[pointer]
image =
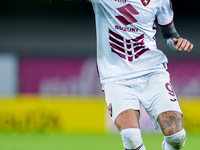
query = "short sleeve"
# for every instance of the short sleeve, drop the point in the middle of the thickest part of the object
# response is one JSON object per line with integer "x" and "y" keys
{"x": 165, "y": 13}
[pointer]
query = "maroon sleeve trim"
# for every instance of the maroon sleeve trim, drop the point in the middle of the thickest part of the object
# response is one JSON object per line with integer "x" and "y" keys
{"x": 166, "y": 24}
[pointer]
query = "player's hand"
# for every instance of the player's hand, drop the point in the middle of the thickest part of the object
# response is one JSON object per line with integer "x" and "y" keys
{"x": 182, "y": 44}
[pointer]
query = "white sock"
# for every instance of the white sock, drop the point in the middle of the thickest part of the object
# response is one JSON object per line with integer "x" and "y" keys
{"x": 132, "y": 139}
{"x": 175, "y": 141}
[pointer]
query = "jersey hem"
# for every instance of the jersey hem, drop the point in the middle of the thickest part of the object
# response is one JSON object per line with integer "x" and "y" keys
{"x": 131, "y": 76}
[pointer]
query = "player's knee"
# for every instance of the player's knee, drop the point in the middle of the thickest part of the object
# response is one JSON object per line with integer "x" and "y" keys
{"x": 132, "y": 139}
{"x": 177, "y": 140}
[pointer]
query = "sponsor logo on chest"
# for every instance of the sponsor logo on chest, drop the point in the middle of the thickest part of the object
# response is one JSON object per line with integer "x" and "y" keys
{"x": 144, "y": 2}
{"x": 120, "y": 1}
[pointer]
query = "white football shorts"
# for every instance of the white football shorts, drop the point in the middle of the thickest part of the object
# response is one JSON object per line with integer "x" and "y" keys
{"x": 154, "y": 91}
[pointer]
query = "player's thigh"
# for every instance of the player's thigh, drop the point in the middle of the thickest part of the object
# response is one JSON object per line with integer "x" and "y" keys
{"x": 170, "y": 122}
{"x": 161, "y": 97}
{"x": 122, "y": 104}
{"x": 128, "y": 119}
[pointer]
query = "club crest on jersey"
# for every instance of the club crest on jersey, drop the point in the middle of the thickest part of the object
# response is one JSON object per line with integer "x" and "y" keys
{"x": 145, "y": 2}
{"x": 110, "y": 109}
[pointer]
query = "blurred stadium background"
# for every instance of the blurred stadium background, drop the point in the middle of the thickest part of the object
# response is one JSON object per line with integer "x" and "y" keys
{"x": 49, "y": 83}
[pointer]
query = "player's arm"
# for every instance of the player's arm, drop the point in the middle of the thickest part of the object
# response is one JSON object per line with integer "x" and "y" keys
{"x": 173, "y": 39}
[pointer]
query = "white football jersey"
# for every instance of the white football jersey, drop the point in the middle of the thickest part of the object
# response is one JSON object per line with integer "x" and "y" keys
{"x": 126, "y": 44}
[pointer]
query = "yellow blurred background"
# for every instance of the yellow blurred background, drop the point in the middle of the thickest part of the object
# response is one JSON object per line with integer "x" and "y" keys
{"x": 71, "y": 114}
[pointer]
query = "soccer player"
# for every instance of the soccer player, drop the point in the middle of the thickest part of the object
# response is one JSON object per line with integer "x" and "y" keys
{"x": 133, "y": 70}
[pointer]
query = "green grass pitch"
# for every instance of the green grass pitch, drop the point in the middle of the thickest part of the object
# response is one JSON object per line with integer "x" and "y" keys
{"x": 83, "y": 142}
